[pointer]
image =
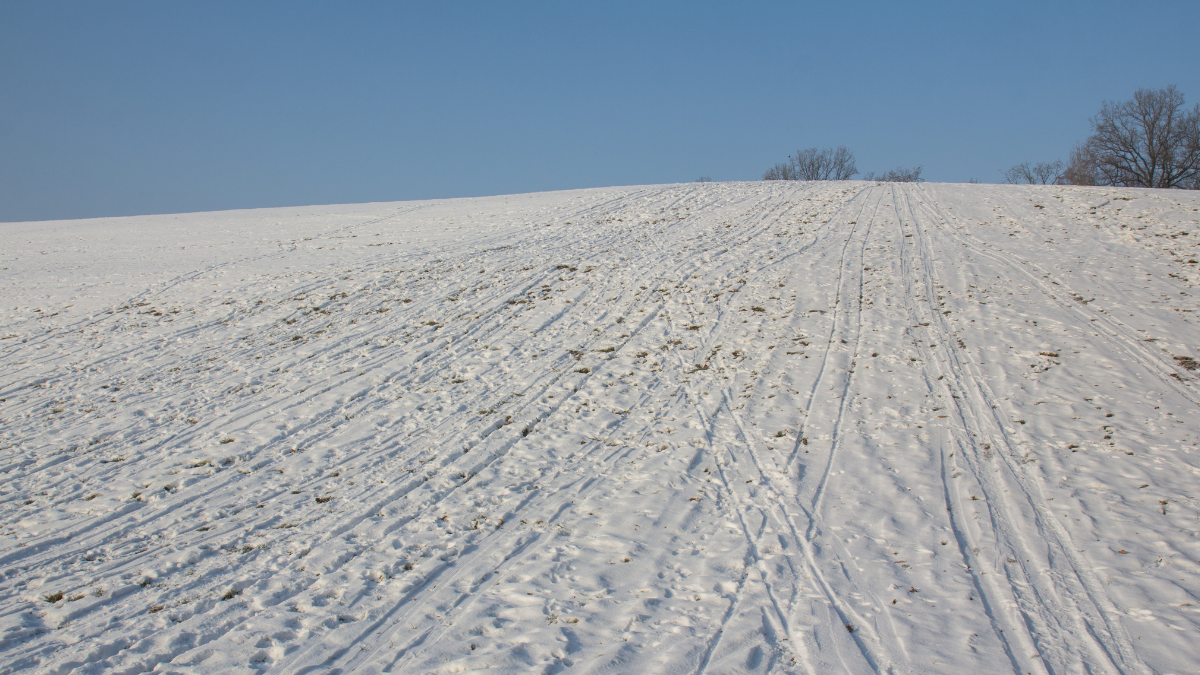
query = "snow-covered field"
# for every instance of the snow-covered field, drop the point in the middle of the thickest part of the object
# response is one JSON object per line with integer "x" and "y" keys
{"x": 725, "y": 428}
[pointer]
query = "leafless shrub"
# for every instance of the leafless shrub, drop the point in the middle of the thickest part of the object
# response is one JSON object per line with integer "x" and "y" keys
{"x": 827, "y": 164}
{"x": 815, "y": 164}
{"x": 898, "y": 175}
{"x": 782, "y": 171}
{"x": 1042, "y": 173}
{"x": 1081, "y": 167}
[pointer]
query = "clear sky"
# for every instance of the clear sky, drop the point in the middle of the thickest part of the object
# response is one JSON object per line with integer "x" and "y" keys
{"x": 122, "y": 108}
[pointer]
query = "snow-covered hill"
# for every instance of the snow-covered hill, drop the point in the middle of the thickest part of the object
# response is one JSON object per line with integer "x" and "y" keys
{"x": 724, "y": 428}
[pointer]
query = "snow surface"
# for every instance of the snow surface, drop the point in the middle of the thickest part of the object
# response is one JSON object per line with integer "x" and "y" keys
{"x": 725, "y": 428}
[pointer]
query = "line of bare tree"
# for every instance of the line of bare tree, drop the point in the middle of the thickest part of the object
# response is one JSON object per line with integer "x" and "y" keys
{"x": 898, "y": 175}
{"x": 1151, "y": 140}
{"x": 815, "y": 164}
{"x": 833, "y": 164}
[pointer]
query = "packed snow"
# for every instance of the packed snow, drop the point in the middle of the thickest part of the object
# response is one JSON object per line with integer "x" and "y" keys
{"x": 772, "y": 427}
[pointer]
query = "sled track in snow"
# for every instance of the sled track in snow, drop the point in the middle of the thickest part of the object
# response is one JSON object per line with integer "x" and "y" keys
{"x": 1038, "y": 594}
{"x": 412, "y": 606}
{"x": 826, "y": 232}
{"x": 605, "y": 431}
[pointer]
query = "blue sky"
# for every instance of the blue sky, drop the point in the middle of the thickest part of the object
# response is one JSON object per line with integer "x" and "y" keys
{"x": 123, "y": 108}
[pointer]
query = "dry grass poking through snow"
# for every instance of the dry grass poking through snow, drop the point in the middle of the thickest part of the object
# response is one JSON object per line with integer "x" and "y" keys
{"x": 744, "y": 427}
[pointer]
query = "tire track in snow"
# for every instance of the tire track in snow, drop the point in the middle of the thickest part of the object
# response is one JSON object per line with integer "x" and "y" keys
{"x": 405, "y": 452}
{"x": 235, "y": 477}
{"x": 162, "y": 288}
{"x": 1114, "y": 332}
{"x": 1052, "y": 598}
{"x": 465, "y": 600}
{"x": 327, "y": 388}
{"x": 416, "y": 608}
{"x": 874, "y": 649}
{"x": 709, "y": 426}
{"x": 871, "y": 652}
{"x": 992, "y": 597}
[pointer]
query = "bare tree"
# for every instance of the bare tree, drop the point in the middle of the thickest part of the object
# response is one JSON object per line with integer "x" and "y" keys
{"x": 1048, "y": 173}
{"x": 1020, "y": 173}
{"x": 843, "y": 164}
{"x": 1081, "y": 167}
{"x": 898, "y": 175}
{"x": 1042, "y": 173}
{"x": 782, "y": 171}
{"x": 1151, "y": 140}
{"x": 815, "y": 164}
{"x": 827, "y": 164}
{"x": 809, "y": 164}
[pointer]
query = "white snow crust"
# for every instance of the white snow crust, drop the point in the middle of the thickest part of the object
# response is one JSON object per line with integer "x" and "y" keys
{"x": 766, "y": 427}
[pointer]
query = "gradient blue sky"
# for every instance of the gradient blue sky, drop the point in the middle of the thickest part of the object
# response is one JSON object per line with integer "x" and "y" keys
{"x": 122, "y": 108}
